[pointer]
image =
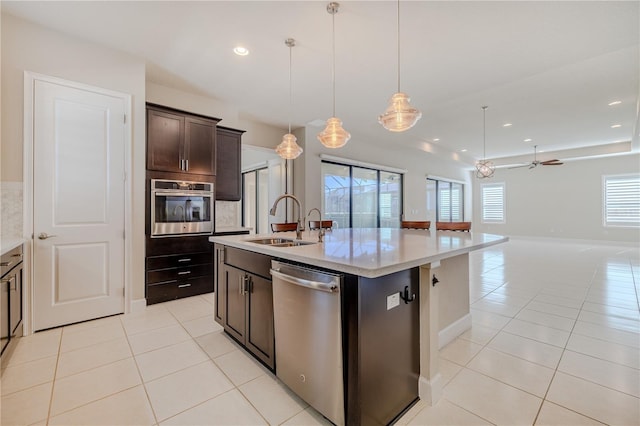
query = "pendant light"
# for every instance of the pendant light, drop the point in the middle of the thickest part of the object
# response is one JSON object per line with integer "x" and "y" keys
{"x": 288, "y": 148}
{"x": 399, "y": 115}
{"x": 484, "y": 167}
{"x": 334, "y": 136}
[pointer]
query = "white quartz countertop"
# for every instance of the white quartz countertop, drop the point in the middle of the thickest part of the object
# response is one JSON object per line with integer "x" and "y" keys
{"x": 8, "y": 244}
{"x": 369, "y": 252}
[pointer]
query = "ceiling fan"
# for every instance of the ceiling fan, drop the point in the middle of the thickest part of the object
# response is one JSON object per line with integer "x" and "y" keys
{"x": 535, "y": 161}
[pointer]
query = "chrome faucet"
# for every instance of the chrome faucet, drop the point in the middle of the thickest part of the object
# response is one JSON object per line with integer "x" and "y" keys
{"x": 299, "y": 227}
{"x": 321, "y": 231}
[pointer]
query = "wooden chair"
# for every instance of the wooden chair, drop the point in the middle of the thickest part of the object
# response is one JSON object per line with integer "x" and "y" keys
{"x": 283, "y": 227}
{"x": 415, "y": 224}
{"x": 315, "y": 224}
{"x": 453, "y": 226}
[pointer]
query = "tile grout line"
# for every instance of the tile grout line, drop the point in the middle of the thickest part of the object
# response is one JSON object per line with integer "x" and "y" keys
{"x": 55, "y": 373}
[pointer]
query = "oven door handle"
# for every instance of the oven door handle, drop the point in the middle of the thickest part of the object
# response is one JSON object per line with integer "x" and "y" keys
{"x": 183, "y": 193}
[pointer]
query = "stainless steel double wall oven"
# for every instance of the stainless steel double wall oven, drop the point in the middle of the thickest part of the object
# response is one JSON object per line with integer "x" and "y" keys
{"x": 181, "y": 208}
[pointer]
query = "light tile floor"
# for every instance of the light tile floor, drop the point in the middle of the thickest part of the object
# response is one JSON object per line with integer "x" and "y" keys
{"x": 555, "y": 341}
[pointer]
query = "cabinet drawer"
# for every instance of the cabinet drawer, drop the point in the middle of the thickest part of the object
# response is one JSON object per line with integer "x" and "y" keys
{"x": 178, "y": 261}
{"x": 10, "y": 260}
{"x": 256, "y": 263}
{"x": 179, "y": 274}
{"x": 177, "y": 289}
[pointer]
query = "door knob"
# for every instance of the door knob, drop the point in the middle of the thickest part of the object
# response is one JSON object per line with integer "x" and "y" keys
{"x": 44, "y": 236}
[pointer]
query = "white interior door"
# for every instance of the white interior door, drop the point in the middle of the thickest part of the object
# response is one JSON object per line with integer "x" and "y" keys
{"x": 78, "y": 206}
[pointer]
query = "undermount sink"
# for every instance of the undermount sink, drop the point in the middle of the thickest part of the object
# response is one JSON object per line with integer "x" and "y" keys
{"x": 280, "y": 242}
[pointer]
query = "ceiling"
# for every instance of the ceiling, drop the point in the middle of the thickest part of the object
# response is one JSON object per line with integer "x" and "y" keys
{"x": 549, "y": 68}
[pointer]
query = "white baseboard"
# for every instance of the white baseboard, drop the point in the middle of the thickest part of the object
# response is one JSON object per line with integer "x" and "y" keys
{"x": 430, "y": 391}
{"x": 449, "y": 333}
{"x": 138, "y": 305}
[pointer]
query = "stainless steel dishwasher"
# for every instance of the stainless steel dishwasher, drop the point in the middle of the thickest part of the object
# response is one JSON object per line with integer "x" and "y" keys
{"x": 308, "y": 336}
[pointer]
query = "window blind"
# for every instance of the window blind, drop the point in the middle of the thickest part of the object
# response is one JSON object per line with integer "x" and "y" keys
{"x": 493, "y": 203}
{"x": 622, "y": 200}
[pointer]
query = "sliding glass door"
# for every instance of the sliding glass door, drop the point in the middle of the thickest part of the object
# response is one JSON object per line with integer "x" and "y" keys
{"x": 359, "y": 197}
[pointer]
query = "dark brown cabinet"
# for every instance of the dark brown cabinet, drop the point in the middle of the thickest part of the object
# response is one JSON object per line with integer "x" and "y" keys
{"x": 178, "y": 267}
{"x": 228, "y": 168}
{"x": 11, "y": 291}
{"x": 244, "y": 300}
{"x": 180, "y": 142}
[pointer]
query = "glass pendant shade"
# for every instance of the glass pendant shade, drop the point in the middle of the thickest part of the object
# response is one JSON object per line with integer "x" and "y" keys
{"x": 399, "y": 115}
{"x": 334, "y": 136}
{"x": 288, "y": 148}
{"x": 484, "y": 169}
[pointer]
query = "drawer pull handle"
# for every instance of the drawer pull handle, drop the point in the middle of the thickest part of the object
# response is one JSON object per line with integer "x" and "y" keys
{"x": 184, "y": 285}
{"x": 184, "y": 260}
{"x": 184, "y": 273}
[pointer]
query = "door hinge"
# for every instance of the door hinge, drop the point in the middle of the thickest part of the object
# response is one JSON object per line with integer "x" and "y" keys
{"x": 124, "y": 235}
{"x": 125, "y": 119}
{"x": 125, "y": 176}
{"x": 123, "y": 292}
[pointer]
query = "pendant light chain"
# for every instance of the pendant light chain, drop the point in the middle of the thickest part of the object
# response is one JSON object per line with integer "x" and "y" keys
{"x": 484, "y": 132}
{"x": 398, "y": 45}
{"x": 290, "y": 44}
{"x": 333, "y": 67}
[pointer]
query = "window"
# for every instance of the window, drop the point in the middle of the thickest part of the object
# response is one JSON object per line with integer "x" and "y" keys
{"x": 622, "y": 200}
{"x": 493, "y": 203}
{"x": 360, "y": 197}
{"x": 449, "y": 200}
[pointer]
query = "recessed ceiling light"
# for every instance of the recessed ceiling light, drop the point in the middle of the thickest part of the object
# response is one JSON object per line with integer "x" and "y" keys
{"x": 241, "y": 51}
{"x": 436, "y": 139}
{"x": 463, "y": 150}
{"x": 528, "y": 140}
{"x": 615, "y": 126}
{"x": 615, "y": 103}
{"x": 507, "y": 125}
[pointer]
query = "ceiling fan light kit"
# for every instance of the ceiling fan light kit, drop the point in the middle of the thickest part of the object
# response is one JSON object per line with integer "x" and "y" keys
{"x": 334, "y": 136}
{"x": 535, "y": 162}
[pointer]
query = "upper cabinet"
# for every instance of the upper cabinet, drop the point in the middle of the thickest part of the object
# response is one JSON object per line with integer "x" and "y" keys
{"x": 180, "y": 142}
{"x": 228, "y": 159}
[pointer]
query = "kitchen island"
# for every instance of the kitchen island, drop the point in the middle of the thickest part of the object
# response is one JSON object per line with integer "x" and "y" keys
{"x": 385, "y": 272}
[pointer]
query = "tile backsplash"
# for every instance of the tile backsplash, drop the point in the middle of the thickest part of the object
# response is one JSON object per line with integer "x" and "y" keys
{"x": 228, "y": 214}
{"x": 11, "y": 209}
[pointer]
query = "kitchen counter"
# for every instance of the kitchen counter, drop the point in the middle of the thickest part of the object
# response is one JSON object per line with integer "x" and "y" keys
{"x": 8, "y": 244}
{"x": 369, "y": 252}
{"x": 385, "y": 270}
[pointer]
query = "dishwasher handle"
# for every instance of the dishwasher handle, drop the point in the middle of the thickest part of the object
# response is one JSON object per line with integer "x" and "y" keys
{"x": 313, "y": 285}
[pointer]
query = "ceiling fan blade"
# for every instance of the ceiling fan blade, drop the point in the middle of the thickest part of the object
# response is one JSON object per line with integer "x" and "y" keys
{"x": 552, "y": 164}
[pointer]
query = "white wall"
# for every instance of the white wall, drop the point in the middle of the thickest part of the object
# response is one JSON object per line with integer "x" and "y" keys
{"x": 419, "y": 164}
{"x": 29, "y": 47}
{"x": 558, "y": 201}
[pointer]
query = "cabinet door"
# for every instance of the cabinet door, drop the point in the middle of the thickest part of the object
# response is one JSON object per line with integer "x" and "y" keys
{"x": 235, "y": 321}
{"x": 260, "y": 335}
{"x": 15, "y": 303}
{"x": 220, "y": 290}
{"x": 200, "y": 146}
{"x": 228, "y": 170}
{"x": 4, "y": 311}
{"x": 165, "y": 141}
